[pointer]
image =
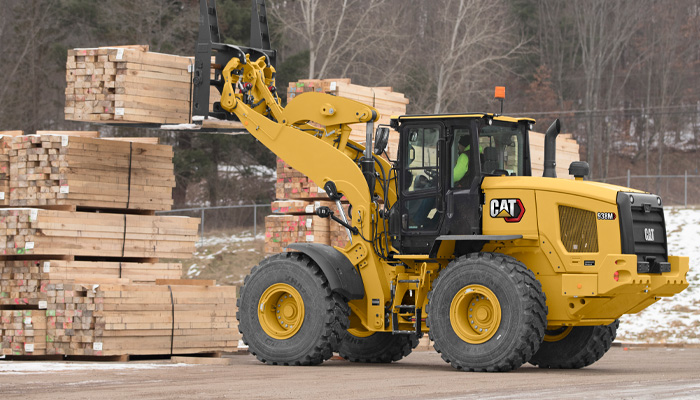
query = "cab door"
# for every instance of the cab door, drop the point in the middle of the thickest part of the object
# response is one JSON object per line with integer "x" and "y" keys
{"x": 421, "y": 184}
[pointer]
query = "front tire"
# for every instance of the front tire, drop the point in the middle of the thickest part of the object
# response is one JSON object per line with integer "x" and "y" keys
{"x": 287, "y": 313}
{"x": 576, "y": 347}
{"x": 486, "y": 312}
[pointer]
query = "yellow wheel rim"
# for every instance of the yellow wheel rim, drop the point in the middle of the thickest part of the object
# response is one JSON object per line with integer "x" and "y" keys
{"x": 356, "y": 328}
{"x": 475, "y": 314}
{"x": 557, "y": 334}
{"x": 281, "y": 311}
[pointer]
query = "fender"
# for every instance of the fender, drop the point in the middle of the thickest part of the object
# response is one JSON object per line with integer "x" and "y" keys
{"x": 342, "y": 276}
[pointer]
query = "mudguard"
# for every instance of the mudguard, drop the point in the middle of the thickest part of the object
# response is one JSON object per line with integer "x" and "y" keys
{"x": 342, "y": 276}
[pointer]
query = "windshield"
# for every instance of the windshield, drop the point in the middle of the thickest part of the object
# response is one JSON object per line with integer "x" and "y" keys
{"x": 502, "y": 147}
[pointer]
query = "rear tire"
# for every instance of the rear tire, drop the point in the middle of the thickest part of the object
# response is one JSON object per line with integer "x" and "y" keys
{"x": 360, "y": 345}
{"x": 486, "y": 312}
{"x": 580, "y": 347}
{"x": 287, "y": 313}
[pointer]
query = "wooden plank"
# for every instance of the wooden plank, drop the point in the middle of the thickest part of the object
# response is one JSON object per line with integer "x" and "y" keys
{"x": 189, "y": 282}
{"x": 92, "y": 134}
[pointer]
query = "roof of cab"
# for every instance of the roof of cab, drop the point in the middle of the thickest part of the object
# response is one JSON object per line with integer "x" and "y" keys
{"x": 444, "y": 116}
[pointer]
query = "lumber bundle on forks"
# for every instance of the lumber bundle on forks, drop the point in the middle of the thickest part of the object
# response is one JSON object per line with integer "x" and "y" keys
{"x": 89, "y": 172}
{"x": 129, "y": 85}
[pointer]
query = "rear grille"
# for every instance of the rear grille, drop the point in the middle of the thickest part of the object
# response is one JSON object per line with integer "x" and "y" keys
{"x": 642, "y": 226}
{"x": 579, "y": 231}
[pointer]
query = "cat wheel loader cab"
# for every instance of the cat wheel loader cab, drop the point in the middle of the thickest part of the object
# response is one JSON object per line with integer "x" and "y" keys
{"x": 441, "y": 162}
{"x": 454, "y": 238}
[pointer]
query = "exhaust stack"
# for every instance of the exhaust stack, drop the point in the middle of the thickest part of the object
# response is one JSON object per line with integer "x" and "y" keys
{"x": 550, "y": 150}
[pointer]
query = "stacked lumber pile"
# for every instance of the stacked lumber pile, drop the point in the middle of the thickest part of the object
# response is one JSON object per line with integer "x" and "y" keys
{"x": 135, "y": 319}
{"x": 293, "y": 218}
{"x": 116, "y": 319}
{"x": 292, "y": 184}
{"x": 31, "y": 231}
{"x": 281, "y": 230}
{"x": 387, "y": 102}
{"x": 89, "y": 172}
{"x": 567, "y": 152}
{"x": 82, "y": 275}
{"x": 5, "y": 144}
{"x": 23, "y": 331}
{"x": 129, "y": 85}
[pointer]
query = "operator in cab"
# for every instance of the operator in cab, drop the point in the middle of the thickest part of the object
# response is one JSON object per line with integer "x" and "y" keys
{"x": 461, "y": 168}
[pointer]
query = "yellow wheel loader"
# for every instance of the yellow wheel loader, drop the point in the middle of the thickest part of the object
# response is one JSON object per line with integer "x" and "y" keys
{"x": 454, "y": 238}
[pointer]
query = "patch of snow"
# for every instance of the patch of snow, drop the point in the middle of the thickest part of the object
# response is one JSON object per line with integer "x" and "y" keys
{"x": 240, "y": 238}
{"x": 675, "y": 319}
{"x": 192, "y": 270}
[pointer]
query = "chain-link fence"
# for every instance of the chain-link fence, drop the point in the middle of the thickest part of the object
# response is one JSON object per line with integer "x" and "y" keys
{"x": 673, "y": 189}
{"x": 226, "y": 219}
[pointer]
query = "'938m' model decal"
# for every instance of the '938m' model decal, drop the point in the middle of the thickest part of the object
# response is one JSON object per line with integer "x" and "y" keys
{"x": 511, "y": 210}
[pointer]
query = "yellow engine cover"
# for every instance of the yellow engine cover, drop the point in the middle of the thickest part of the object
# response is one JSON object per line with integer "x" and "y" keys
{"x": 571, "y": 242}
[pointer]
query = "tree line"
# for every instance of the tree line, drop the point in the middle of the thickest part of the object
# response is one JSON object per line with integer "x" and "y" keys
{"x": 623, "y": 75}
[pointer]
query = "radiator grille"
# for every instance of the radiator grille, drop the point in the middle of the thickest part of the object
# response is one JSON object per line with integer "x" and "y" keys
{"x": 579, "y": 231}
{"x": 638, "y": 218}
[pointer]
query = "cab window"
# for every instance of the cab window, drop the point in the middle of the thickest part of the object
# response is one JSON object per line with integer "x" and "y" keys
{"x": 421, "y": 162}
{"x": 503, "y": 149}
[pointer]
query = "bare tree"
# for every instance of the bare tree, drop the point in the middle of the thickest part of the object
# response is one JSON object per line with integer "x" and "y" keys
{"x": 557, "y": 44}
{"x": 466, "y": 41}
{"x": 333, "y": 33}
{"x": 603, "y": 29}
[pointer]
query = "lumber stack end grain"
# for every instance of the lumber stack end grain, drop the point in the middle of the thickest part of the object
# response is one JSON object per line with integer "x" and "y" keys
{"x": 89, "y": 172}
{"x": 129, "y": 85}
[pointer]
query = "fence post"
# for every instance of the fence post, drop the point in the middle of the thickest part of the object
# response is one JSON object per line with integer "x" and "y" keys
{"x": 255, "y": 220}
{"x": 628, "y": 178}
{"x": 685, "y": 201}
{"x": 201, "y": 227}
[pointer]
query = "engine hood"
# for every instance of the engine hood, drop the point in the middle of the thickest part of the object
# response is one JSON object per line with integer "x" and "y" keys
{"x": 594, "y": 190}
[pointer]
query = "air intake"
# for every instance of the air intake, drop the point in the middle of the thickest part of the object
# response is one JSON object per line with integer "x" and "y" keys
{"x": 579, "y": 231}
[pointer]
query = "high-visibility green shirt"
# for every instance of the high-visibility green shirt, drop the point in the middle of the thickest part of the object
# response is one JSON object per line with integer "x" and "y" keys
{"x": 461, "y": 167}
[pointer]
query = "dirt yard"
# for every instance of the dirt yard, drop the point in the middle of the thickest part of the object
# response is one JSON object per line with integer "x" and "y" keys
{"x": 637, "y": 373}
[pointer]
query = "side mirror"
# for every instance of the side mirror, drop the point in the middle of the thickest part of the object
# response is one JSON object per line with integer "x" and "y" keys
{"x": 381, "y": 139}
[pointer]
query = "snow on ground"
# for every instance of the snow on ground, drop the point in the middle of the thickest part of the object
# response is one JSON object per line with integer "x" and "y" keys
{"x": 225, "y": 241}
{"x": 237, "y": 238}
{"x": 675, "y": 319}
{"x": 33, "y": 367}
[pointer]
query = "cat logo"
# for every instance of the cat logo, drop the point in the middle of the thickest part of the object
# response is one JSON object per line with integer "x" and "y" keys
{"x": 511, "y": 210}
{"x": 649, "y": 234}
